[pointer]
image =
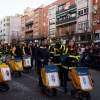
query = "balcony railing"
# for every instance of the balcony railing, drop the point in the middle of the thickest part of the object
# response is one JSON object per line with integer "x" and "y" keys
{"x": 66, "y": 20}
{"x": 29, "y": 23}
{"x": 28, "y": 31}
{"x": 70, "y": 7}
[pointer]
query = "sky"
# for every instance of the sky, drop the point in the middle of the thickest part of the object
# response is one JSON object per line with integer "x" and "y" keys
{"x": 12, "y": 7}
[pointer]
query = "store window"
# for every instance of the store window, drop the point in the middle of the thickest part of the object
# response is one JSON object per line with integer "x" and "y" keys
{"x": 82, "y": 37}
{"x": 76, "y": 38}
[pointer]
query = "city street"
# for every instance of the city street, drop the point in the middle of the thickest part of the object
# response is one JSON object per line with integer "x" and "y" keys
{"x": 25, "y": 88}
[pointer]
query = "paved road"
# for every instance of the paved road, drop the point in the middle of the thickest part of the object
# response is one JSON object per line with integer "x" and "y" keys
{"x": 25, "y": 88}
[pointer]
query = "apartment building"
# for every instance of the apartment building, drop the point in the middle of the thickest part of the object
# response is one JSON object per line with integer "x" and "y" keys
{"x": 66, "y": 19}
{"x": 96, "y": 21}
{"x": 84, "y": 21}
{"x": 31, "y": 24}
{"x": 27, "y": 25}
{"x": 63, "y": 19}
{"x": 10, "y": 29}
{"x": 49, "y": 20}
{"x": 38, "y": 24}
{"x": 53, "y": 18}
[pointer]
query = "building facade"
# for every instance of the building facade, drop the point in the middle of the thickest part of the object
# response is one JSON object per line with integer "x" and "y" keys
{"x": 84, "y": 21}
{"x": 96, "y": 21}
{"x": 55, "y": 19}
{"x": 10, "y": 28}
{"x": 64, "y": 19}
{"x": 31, "y": 24}
{"x": 27, "y": 25}
{"x": 38, "y": 24}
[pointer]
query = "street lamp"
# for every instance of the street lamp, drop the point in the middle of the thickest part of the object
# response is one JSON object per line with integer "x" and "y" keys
{"x": 48, "y": 29}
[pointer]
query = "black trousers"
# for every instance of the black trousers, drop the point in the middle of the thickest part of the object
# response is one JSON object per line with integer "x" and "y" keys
{"x": 35, "y": 63}
{"x": 60, "y": 73}
{"x": 65, "y": 72}
{"x": 31, "y": 61}
{"x": 40, "y": 79}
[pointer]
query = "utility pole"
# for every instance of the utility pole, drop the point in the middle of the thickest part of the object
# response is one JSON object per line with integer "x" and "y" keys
{"x": 87, "y": 21}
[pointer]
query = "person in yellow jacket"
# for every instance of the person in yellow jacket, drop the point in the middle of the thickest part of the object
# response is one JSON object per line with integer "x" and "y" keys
{"x": 56, "y": 59}
{"x": 18, "y": 51}
{"x": 70, "y": 61}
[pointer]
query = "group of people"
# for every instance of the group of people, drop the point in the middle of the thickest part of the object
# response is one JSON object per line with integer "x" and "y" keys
{"x": 90, "y": 56}
{"x": 65, "y": 57}
{"x": 45, "y": 53}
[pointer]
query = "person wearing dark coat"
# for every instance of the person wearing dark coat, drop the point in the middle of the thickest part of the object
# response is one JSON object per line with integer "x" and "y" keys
{"x": 27, "y": 49}
{"x": 42, "y": 56}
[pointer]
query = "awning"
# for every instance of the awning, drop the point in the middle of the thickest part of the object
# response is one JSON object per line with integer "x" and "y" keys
{"x": 72, "y": 11}
{"x": 64, "y": 14}
{"x": 58, "y": 16}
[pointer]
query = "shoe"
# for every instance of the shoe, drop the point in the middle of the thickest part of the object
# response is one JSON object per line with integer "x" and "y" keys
{"x": 65, "y": 90}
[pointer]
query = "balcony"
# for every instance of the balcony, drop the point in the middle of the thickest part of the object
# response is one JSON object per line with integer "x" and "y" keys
{"x": 29, "y": 31}
{"x": 30, "y": 22}
{"x": 63, "y": 10}
{"x": 65, "y": 21}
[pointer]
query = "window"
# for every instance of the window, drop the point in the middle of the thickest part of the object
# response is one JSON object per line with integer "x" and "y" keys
{"x": 4, "y": 24}
{"x": 83, "y": 11}
{"x": 36, "y": 15}
{"x": 36, "y": 34}
{"x": 44, "y": 23}
{"x": 52, "y": 21}
{"x": 60, "y": 8}
{"x": 76, "y": 38}
{"x": 89, "y": 36}
{"x": 36, "y": 25}
{"x": 94, "y": 23}
{"x": 95, "y": 7}
{"x": 52, "y": 11}
{"x": 44, "y": 15}
{"x": 96, "y": 35}
{"x": 52, "y": 32}
{"x": 67, "y": 5}
{"x": 82, "y": 25}
{"x": 8, "y": 19}
{"x": 82, "y": 37}
{"x": 4, "y": 20}
{"x": 73, "y": 15}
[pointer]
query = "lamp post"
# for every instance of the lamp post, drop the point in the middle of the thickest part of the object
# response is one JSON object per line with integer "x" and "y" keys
{"x": 48, "y": 28}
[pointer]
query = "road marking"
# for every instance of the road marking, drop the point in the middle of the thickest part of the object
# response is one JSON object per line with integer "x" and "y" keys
{"x": 30, "y": 77}
{"x": 38, "y": 80}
